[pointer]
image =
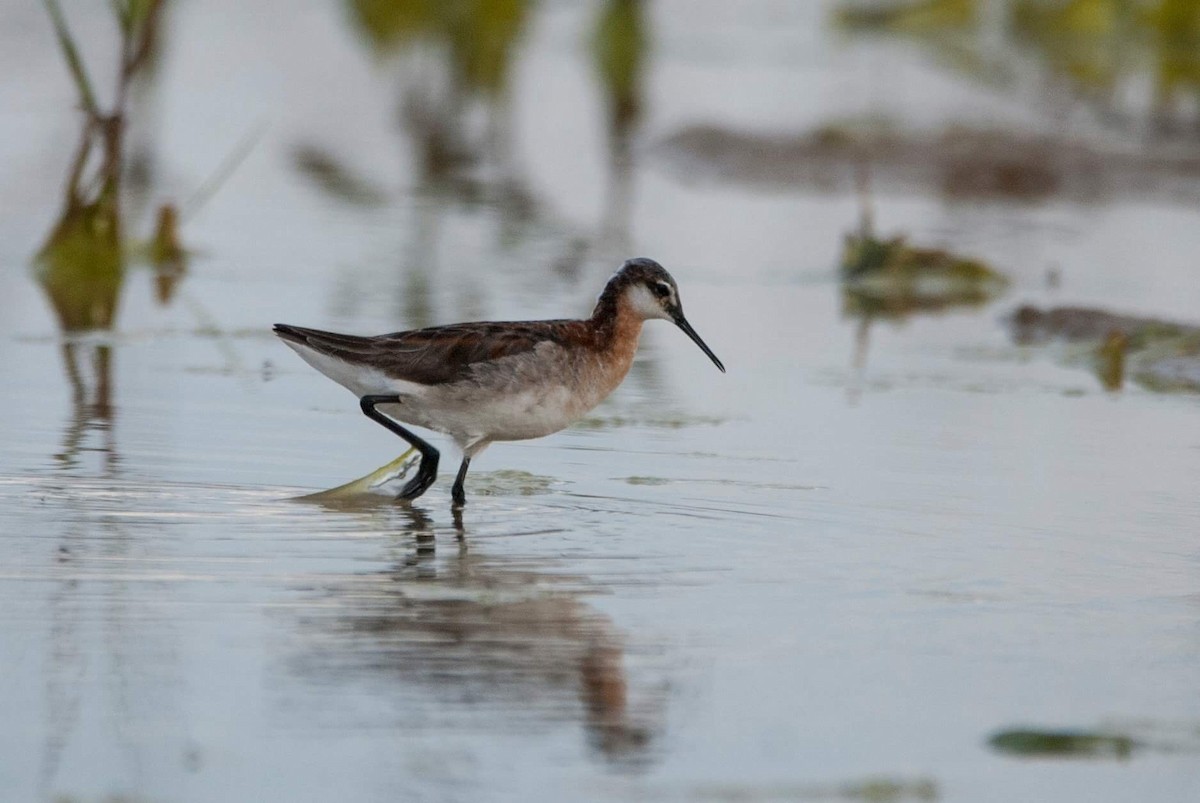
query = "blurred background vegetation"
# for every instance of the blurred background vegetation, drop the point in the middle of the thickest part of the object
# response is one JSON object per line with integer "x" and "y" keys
{"x": 1094, "y": 46}
{"x": 1133, "y": 65}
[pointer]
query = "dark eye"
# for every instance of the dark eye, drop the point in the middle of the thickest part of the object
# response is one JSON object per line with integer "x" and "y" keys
{"x": 661, "y": 290}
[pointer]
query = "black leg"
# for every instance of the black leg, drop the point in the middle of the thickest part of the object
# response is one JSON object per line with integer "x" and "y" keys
{"x": 457, "y": 493}
{"x": 427, "y": 471}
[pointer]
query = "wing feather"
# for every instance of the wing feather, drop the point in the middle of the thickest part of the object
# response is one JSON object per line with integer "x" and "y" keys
{"x": 438, "y": 354}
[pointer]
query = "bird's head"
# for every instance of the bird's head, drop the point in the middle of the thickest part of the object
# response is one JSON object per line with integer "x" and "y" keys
{"x": 651, "y": 292}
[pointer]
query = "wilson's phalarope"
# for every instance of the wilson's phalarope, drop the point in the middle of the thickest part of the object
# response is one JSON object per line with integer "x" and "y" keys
{"x": 492, "y": 381}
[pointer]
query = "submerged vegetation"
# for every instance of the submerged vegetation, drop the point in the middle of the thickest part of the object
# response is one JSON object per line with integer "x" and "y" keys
{"x": 82, "y": 263}
{"x": 1028, "y": 743}
{"x": 479, "y": 35}
{"x": 889, "y": 277}
{"x": 1120, "y": 741}
{"x": 1098, "y": 46}
{"x": 1156, "y": 354}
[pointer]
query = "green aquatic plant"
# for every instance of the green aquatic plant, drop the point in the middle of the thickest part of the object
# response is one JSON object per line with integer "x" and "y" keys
{"x": 1084, "y": 40}
{"x": 637, "y": 480}
{"x": 81, "y": 264}
{"x": 479, "y": 36}
{"x": 619, "y": 47}
{"x": 1090, "y": 19}
{"x": 892, "y": 278}
{"x": 390, "y": 24}
{"x": 947, "y": 28}
{"x": 1035, "y": 743}
{"x": 620, "y": 43}
{"x": 453, "y": 106}
{"x": 1095, "y": 44}
{"x": 1176, "y": 27}
{"x": 485, "y": 44}
{"x": 1159, "y": 355}
{"x": 1110, "y": 360}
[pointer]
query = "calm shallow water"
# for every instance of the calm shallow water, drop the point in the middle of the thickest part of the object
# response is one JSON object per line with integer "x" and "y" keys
{"x": 820, "y": 570}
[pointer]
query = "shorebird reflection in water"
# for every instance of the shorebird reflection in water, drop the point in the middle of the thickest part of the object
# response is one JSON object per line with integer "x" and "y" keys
{"x": 496, "y": 381}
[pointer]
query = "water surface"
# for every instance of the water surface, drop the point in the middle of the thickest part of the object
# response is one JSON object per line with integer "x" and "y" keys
{"x": 864, "y": 564}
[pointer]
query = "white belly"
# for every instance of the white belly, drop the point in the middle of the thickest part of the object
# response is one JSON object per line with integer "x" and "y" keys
{"x": 472, "y": 415}
{"x": 531, "y": 414}
{"x": 516, "y": 398}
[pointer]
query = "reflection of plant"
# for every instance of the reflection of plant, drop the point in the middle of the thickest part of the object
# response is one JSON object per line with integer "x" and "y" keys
{"x": 892, "y": 279}
{"x": 388, "y": 24}
{"x": 471, "y": 45}
{"x": 81, "y": 264}
{"x": 620, "y": 45}
{"x": 1094, "y": 44}
{"x": 620, "y": 42}
{"x": 1157, "y": 354}
{"x": 1082, "y": 39}
{"x": 479, "y": 34}
{"x": 1177, "y": 56}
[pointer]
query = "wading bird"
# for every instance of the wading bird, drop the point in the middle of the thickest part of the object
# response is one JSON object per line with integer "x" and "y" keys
{"x": 495, "y": 381}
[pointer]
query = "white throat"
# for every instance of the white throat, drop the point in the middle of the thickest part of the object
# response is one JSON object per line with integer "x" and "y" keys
{"x": 644, "y": 304}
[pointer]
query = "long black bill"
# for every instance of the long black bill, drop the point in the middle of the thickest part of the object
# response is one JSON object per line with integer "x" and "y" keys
{"x": 682, "y": 323}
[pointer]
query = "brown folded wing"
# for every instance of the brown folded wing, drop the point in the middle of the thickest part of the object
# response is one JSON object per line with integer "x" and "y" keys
{"x": 439, "y": 354}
